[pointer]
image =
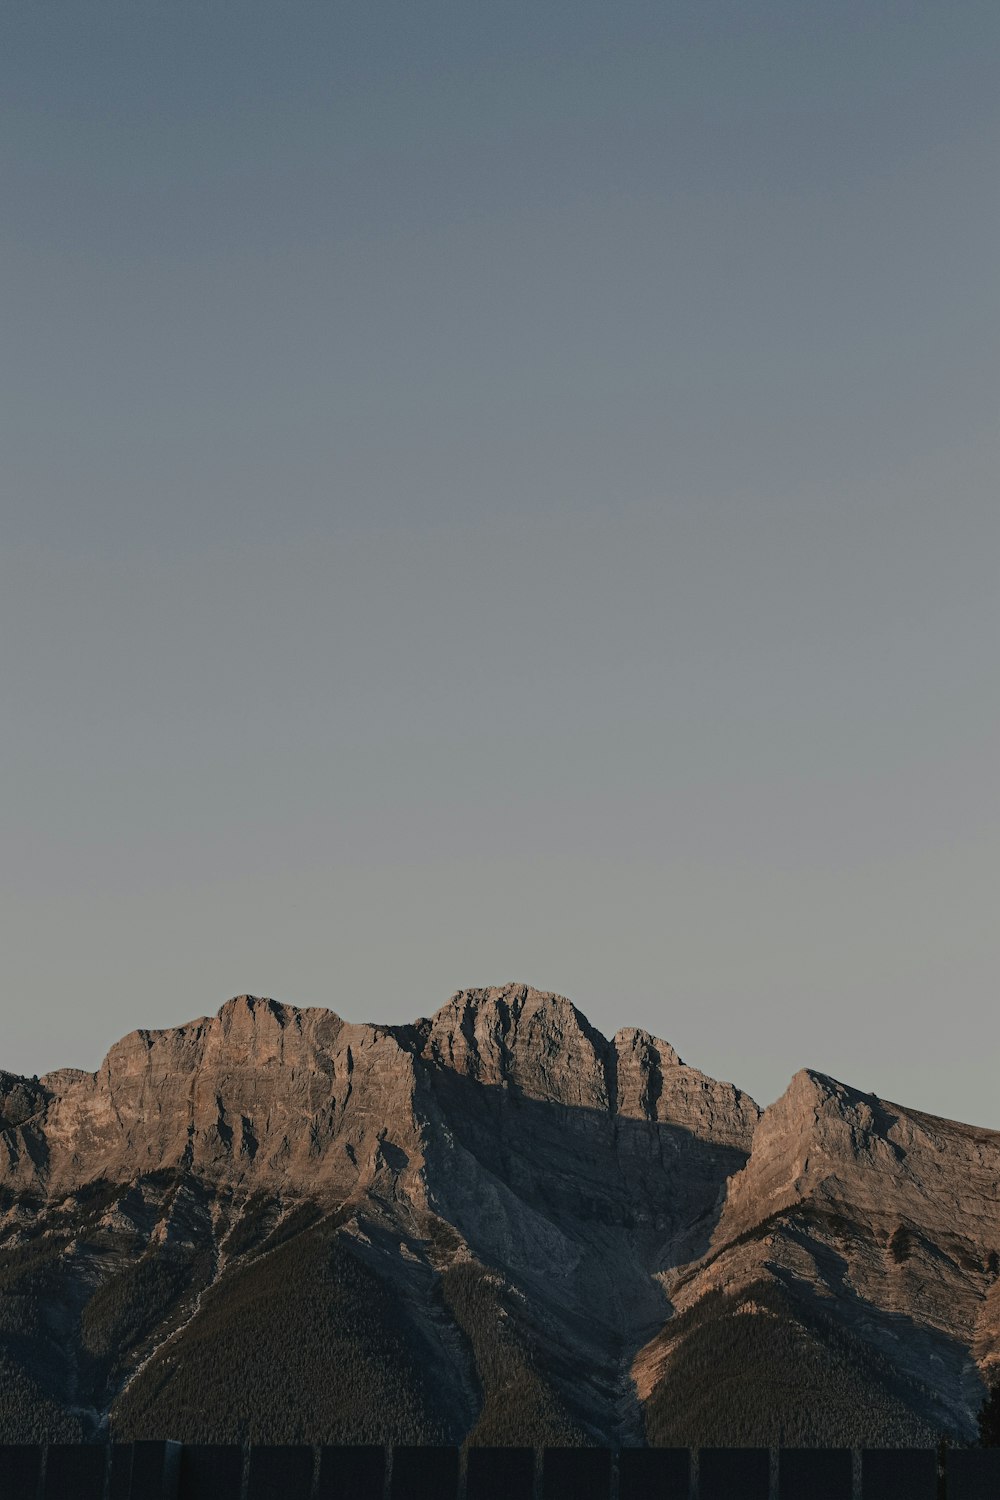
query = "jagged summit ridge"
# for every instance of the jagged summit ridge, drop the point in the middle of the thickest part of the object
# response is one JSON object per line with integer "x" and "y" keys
{"x": 269, "y": 1091}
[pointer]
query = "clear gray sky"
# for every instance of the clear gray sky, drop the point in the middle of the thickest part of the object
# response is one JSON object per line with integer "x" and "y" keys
{"x": 506, "y": 492}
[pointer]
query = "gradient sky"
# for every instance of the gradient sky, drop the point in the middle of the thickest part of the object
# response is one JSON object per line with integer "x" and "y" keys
{"x": 506, "y": 492}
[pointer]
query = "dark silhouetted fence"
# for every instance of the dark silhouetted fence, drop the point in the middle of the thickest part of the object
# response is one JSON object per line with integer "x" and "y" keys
{"x": 211, "y": 1472}
{"x": 280, "y": 1473}
{"x": 898, "y": 1474}
{"x": 351, "y": 1474}
{"x": 724, "y": 1473}
{"x": 663, "y": 1472}
{"x": 72, "y": 1469}
{"x": 973, "y": 1474}
{"x": 424, "y": 1474}
{"x": 170, "y": 1471}
{"x": 815, "y": 1474}
{"x": 500, "y": 1474}
{"x": 20, "y": 1471}
{"x": 576, "y": 1474}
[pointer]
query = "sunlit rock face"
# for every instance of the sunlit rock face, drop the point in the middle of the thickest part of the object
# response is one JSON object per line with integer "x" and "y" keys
{"x": 519, "y": 1202}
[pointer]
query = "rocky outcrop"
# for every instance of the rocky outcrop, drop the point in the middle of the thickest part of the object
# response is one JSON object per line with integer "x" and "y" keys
{"x": 260, "y": 1095}
{"x": 654, "y": 1084}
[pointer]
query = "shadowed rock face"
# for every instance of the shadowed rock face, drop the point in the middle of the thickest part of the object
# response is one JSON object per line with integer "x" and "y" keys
{"x": 528, "y": 1196}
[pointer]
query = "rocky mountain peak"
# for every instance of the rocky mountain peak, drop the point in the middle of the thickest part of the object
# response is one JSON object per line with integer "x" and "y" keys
{"x": 519, "y": 1037}
{"x": 634, "y": 1039}
{"x": 540, "y": 1044}
{"x": 255, "y": 1010}
{"x": 20, "y": 1098}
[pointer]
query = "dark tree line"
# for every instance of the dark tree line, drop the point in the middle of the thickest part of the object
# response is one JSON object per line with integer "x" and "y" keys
{"x": 989, "y": 1415}
{"x": 519, "y": 1406}
{"x": 303, "y": 1345}
{"x": 752, "y": 1371}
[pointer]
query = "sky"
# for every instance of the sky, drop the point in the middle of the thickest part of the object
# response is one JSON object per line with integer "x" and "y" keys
{"x": 505, "y": 493}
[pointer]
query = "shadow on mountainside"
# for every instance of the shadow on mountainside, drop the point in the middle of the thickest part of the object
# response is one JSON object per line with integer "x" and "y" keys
{"x": 926, "y": 1368}
{"x": 580, "y": 1209}
{"x": 656, "y": 1188}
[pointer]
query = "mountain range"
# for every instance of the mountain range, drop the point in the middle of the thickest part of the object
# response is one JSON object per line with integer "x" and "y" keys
{"x": 494, "y": 1225}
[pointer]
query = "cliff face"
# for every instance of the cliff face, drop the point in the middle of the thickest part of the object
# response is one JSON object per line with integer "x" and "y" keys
{"x": 261, "y": 1093}
{"x": 494, "y": 1199}
{"x": 886, "y": 1218}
